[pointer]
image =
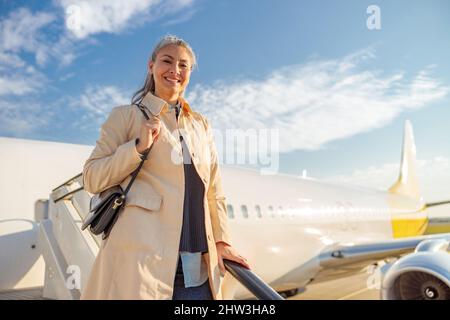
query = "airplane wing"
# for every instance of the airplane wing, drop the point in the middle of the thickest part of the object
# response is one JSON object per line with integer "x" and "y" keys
{"x": 417, "y": 268}
{"x": 341, "y": 258}
{"x": 357, "y": 256}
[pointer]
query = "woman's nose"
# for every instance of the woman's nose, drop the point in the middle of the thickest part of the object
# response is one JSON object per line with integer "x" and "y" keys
{"x": 174, "y": 69}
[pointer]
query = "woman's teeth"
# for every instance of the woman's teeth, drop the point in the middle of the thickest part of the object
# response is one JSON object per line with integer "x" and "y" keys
{"x": 172, "y": 80}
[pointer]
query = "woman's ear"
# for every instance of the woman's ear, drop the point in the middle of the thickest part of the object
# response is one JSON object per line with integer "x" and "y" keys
{"x": 150, "y": 65}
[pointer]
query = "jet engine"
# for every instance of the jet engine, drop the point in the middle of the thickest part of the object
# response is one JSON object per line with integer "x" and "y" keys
{"x": 422, "y": 275}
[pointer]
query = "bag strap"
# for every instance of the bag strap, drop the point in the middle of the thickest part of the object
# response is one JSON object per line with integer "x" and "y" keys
{"x": 144, "y": 157}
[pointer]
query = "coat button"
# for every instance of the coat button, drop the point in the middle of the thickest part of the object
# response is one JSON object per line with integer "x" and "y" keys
{"x": 209, "y": 237}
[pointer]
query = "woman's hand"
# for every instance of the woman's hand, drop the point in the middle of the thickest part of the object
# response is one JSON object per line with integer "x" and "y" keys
{"x": 225, "y": 251}
{"x": 149, "y": 133}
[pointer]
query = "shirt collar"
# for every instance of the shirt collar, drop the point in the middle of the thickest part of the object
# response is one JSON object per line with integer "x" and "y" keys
{"x": 174, "y": 106}
{"x": 155, "y": 104}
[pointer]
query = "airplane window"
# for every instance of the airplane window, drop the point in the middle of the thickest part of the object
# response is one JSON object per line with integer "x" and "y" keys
{"x": 230, "y": 211}
{"x": 258, "y": 211}
{"x": 280, "y": 211}
{"x": 244, "y": 211}
{"x": 271, "y": 212}
{"x": 291, "y": 212}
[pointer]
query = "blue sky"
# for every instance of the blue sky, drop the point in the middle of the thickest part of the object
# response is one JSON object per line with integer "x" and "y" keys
{"x": 338, "y": 92}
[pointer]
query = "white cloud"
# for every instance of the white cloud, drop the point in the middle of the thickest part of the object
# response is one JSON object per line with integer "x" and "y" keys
{"x": 21, "y": 117}
{"x": 24, "y": 32}
{"x": 8, "y": 60}
{"x": 433, "y": 175}
{"x": 21, "y": 31}
{"x": 21, "y": 82}
{"x": 84, "y": 18}
{"x": 186, "y": 16}
{"x": 96, "y": 102}
{"x": 67, "y": 76}
{"x": 314, "y": 103}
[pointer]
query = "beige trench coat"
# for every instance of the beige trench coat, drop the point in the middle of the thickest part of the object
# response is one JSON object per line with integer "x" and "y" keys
{"x": 139, "y": 258}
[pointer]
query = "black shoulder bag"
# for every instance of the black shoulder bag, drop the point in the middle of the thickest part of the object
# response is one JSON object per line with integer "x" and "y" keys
{"x": 104, "y": 207}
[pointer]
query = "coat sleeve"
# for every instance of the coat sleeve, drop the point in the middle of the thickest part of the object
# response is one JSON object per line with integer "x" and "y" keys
{"x": 113, "y": 158}
{"x": 216, "y": 199}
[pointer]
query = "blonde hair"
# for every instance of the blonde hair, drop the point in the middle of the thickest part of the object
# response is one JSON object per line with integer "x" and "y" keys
{"x": 149, "y": 84}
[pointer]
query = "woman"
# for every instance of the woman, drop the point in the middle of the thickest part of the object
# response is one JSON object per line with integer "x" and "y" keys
{"x": 170, "y": 240}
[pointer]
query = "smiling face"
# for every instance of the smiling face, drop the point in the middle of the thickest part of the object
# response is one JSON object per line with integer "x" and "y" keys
{"x": 171, "y": 71}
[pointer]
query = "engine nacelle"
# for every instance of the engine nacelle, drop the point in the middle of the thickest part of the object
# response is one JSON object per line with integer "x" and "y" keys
{"x": 422, "y": 275}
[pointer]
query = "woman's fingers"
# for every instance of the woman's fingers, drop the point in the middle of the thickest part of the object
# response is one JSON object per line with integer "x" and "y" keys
{"x": 243, "y": 262}
{"x": 154, "y": 126}
{"x": 230, "y": 254}
{"x": 149, "y": 133}
{"x": 221, "y": 266}
{"x": 237, "y": 258}
{"x": 155, "y": 132}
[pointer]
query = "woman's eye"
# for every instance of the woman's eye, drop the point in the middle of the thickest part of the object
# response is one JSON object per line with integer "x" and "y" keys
{"x": 166, "y": 61}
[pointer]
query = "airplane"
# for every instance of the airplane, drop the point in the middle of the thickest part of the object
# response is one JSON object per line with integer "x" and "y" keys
{"x": 294, "y": 230}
